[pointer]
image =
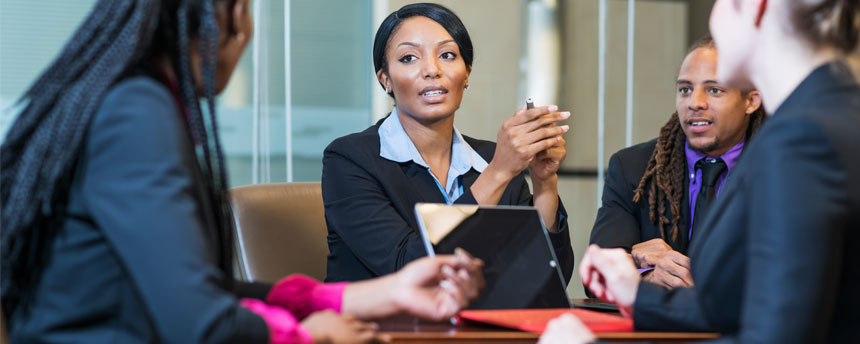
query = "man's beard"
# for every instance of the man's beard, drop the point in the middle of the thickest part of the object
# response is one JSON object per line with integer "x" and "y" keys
{"x": 710, "y": 147}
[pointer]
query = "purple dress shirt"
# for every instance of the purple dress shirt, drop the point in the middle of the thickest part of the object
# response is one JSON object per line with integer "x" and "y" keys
{"x": 730, "y": 158}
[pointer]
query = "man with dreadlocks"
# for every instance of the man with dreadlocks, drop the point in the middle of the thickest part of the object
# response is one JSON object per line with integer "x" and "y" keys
{"x": 657, "y": 192}
{"x": 115, "y": 222}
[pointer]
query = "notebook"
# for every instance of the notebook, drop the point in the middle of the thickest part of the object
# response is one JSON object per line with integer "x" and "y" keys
{"x": 535, "y": 320}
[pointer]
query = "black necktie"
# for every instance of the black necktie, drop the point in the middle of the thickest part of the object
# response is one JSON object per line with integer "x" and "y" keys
{"x": 711, "y": 171}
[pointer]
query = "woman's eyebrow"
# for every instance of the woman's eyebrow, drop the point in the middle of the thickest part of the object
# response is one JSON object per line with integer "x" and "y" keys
{"x": 409, "y": 44}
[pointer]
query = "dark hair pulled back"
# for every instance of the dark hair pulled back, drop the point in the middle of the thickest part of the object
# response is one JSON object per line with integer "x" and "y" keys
{"x": 438, "y": 13}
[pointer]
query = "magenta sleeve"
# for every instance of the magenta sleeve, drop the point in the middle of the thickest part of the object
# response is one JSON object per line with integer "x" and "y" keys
{"x": 283, "y": 326}
{"x": 302, "y": 295}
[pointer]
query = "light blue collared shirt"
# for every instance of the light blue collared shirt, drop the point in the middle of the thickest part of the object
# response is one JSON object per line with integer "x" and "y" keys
{"x": 395, "y": 145}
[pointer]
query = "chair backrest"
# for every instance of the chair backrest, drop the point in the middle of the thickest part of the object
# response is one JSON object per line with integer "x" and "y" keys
{"x": 280, "y": 230}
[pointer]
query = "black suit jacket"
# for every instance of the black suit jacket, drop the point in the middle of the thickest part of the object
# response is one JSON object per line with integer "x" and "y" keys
{"x": 370, "y": 202}
{"x": 137, "y": 257}
{"x": 623, "y": 223}
{"x": 778, "y": 259}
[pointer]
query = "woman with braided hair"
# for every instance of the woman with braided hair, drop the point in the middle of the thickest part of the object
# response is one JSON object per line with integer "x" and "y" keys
{"x": 655, "y": 191}
{"x": 115, "y": 221}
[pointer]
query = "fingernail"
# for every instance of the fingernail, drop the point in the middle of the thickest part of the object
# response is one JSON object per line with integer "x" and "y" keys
{"x": 461, "y": 253}
{"x": 464, "y": 274}
{"x": 447, "y": 270}
{"x": 565, "y": 115}
{"x": 552, "y": 108}
{"x": 565, "y": 128}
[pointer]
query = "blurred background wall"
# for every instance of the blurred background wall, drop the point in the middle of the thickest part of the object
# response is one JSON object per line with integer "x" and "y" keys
{"x": 309, "y": 79}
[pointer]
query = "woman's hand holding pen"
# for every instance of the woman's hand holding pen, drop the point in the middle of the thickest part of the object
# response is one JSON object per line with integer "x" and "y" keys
{"x": 527, "y": 138}
{"x": 545, "y": 165}
{"x": 530, "y": 137}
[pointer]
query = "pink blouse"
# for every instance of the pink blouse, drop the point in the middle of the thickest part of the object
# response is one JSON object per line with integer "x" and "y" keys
{"x": 292, "y": 299}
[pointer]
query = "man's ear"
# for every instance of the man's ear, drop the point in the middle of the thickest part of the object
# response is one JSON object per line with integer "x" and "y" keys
{"x": 753, "y": 102}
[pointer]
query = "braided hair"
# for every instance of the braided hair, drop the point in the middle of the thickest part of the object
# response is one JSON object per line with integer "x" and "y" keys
{"x": 43, "y": 145}
{"x": 667, "y": 169}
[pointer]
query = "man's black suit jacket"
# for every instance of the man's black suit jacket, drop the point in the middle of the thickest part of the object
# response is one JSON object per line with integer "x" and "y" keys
{"x": 370, "y": 201}
{"x": 777, "y": 261}
{"x": 623, "y": 223}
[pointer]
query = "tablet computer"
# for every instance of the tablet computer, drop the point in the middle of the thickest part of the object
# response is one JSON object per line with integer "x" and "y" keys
{"x": 521, "y": 269}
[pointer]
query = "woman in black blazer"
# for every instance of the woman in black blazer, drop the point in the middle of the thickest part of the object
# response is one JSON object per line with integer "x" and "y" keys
{"x": 115, "y": 222}
{"x": 371, "y": 180}
{"x": 777, "y": 259}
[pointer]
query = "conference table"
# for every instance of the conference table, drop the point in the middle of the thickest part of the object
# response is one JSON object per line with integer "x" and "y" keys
{"x": 414, "y": 331}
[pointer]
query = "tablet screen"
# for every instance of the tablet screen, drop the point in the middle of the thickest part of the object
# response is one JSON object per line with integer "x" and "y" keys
{"x": 520, "y": 265}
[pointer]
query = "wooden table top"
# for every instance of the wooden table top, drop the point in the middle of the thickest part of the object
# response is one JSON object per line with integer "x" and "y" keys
{"x": 411, "y": 330}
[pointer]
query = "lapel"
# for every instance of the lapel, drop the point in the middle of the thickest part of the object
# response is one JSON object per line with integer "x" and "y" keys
{"x": 420, "y": 184}
{"x": 409, "y": 183}
{"x": 728, "y": 192}
{"x": 469, "y": 178}
{"x": 684, "y": 225}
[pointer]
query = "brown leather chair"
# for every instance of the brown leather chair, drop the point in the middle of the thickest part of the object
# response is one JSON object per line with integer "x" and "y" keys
{"x": 280, "y": 229}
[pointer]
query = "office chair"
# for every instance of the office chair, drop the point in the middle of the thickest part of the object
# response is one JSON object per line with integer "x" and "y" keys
{"x": 280, "y": 230}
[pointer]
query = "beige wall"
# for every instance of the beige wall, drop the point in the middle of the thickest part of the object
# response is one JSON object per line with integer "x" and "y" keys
{"x": 660, "y": 44}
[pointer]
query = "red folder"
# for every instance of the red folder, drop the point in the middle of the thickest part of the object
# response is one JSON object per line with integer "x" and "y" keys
{"x": 535, "y": 320}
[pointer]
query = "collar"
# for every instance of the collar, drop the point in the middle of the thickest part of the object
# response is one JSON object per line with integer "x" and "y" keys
{"x": 395, "y": 145}
{"x": 730, "y": 157}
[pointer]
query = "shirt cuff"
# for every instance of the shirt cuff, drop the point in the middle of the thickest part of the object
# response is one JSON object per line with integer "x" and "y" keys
{"x": 302, "y": 295}
{"x": 328, "y": 296}
{"x": 283, "y": 326}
